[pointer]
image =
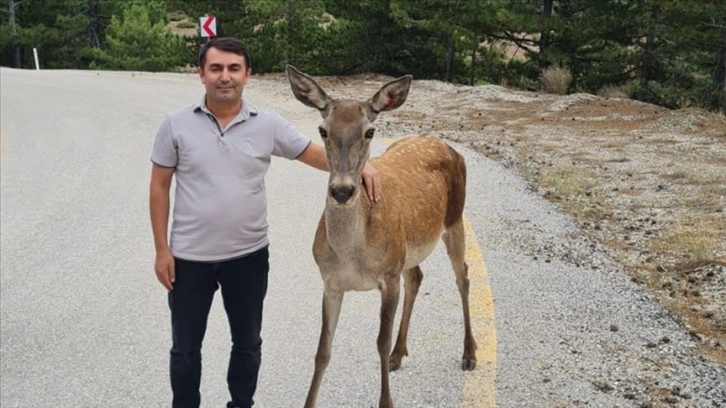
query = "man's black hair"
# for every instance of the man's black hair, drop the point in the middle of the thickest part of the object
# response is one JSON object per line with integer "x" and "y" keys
{"x": 227, "y": 44}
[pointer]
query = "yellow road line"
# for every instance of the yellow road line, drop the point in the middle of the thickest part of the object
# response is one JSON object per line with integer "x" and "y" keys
{"x": 480, "y": 385}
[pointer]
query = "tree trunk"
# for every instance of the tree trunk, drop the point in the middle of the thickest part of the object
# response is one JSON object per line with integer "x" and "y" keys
{"x": 288, "y": 31}
{"x": 647, "y": 62}
{"x": 718, "y": 98}
{"x": 93, "y": 23}
{"x": 12, "y": 5}
{"x": 544, "y": 38}
{"x": 473, "y": 64}
{"x": 450, "y": 58}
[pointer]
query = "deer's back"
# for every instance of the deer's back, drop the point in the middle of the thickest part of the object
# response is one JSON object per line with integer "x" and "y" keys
{"x": 424, "y": 183}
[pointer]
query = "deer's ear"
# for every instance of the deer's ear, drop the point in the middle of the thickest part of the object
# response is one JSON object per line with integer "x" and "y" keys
{"x": 307, "y": 91}
{"x": 391, "y": 95}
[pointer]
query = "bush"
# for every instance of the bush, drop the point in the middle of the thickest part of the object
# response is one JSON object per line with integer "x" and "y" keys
{"x": 176, "y": 16}
{"x": 555, "y": 80}
{"x": 186, "y": 24}
{"x": 613, "y": 91}
{"x": 519, "y": 74}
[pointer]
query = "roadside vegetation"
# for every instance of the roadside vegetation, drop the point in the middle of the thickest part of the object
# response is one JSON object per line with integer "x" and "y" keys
{"x": 668, "y": 52}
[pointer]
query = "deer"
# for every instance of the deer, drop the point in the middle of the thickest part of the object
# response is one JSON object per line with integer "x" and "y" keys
{"x": 360, "y": 245}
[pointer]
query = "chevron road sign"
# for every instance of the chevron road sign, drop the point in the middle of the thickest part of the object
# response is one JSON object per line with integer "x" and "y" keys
{"x": 208, "y": 26}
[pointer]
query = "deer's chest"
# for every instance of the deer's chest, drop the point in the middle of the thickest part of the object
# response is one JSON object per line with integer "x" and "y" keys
{"x": 346, "y": 275}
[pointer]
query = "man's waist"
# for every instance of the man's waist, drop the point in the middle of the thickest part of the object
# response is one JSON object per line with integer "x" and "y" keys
{"x": 217, "y": 251}
{"x": 245, "y": 254}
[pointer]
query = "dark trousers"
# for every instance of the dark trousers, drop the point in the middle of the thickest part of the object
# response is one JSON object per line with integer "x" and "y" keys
{"x": 244, "y": 284}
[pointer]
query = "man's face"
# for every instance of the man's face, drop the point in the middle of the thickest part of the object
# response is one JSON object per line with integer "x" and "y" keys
{"x": 224, "y": 76}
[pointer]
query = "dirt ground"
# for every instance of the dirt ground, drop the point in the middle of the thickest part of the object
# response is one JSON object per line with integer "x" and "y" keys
{"x": 646, "y": 182}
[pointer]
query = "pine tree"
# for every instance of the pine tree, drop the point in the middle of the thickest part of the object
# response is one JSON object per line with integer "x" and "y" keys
{"x": 136, "y": 42}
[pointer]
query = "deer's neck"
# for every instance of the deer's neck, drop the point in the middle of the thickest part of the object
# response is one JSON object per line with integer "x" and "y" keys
{"x": 345, "y": 228}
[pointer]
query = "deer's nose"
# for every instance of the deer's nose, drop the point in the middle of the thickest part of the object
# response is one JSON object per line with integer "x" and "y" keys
{"x": 342, "y": 194}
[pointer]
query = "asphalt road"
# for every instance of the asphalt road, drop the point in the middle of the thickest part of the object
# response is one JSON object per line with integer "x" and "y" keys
{"x": 84, "y": 323}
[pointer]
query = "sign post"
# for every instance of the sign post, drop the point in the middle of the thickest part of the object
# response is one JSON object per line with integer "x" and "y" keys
{"x": 35, "y": 56}
{"x": 208, "y": 26}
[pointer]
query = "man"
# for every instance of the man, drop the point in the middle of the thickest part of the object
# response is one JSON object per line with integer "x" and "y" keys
{"x": 219, "y": 150}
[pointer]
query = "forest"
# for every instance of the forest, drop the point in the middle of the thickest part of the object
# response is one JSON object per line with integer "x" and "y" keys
{"x": 667, "y": 52}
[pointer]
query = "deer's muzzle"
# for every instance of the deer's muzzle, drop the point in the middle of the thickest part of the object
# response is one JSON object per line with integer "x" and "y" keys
{"x": 342, "y": 194}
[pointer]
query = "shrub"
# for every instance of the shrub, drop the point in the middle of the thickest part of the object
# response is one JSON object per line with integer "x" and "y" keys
{"x": 613, "y": 91}
{"x": 176, "y": 16}
{"x": 186, "y": 24}
{"x": 555, "y": 80}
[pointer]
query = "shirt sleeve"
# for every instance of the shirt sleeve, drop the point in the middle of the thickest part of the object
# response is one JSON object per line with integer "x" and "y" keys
{"x": 289, "y": 142}
{"x": 165, "y": 150}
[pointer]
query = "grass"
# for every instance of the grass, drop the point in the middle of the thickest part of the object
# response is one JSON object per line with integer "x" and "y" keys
{"x": 710, "y": 202}
{"x": 696, "y": 240}
{"x": 574, "y": 188}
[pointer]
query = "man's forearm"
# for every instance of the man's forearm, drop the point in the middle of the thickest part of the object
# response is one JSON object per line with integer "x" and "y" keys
{"x": 159, "y": 209}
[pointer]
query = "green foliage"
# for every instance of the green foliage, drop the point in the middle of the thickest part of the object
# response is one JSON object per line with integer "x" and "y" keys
{"x": 135, "y": 42}
{"x": 187, "y": 24}
{"x": 294, "y": 32}
{"x": 520, "y": 74}
{"x": 176, "y": 16}
{"x": 6, "y": 37}
{"x": 686, "y": 62}
{"x": 62, "y": 31}
{"x": 669, "y": 52}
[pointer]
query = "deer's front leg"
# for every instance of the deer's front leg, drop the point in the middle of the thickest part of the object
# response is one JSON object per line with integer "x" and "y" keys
{"x": 389, "y": 303}
{"x": 332, "y": 302}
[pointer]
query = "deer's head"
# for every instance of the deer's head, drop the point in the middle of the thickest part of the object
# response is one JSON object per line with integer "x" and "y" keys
{"x": 347, "y": 129}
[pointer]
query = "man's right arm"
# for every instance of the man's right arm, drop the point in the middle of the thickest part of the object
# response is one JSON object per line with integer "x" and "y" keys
{"x": 159, "y": 188}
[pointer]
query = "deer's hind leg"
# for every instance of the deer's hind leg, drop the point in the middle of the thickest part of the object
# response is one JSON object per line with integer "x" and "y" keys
{"x": 389, "y": 303}
{"x": 412, "y": 281}
{"x": 455, "y": 241}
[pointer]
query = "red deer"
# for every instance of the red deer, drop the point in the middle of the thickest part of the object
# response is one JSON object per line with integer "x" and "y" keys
{"x": 361, "y": 245}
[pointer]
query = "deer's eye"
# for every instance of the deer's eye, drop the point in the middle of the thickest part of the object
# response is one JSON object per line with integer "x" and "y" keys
{"x": 369, "y": 133}
{"x": 323, "y": 132}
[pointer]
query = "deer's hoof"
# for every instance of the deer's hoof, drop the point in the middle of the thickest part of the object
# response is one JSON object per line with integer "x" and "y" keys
{"x": 393, "y": 366}
{"x": 468, "y": 364}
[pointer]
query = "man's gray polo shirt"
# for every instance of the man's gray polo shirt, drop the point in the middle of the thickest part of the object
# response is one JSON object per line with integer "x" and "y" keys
{"x": 220, "y": 209}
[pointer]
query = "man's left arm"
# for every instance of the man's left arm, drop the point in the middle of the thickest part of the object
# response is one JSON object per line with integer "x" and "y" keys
{"x": 314, "y": 155}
